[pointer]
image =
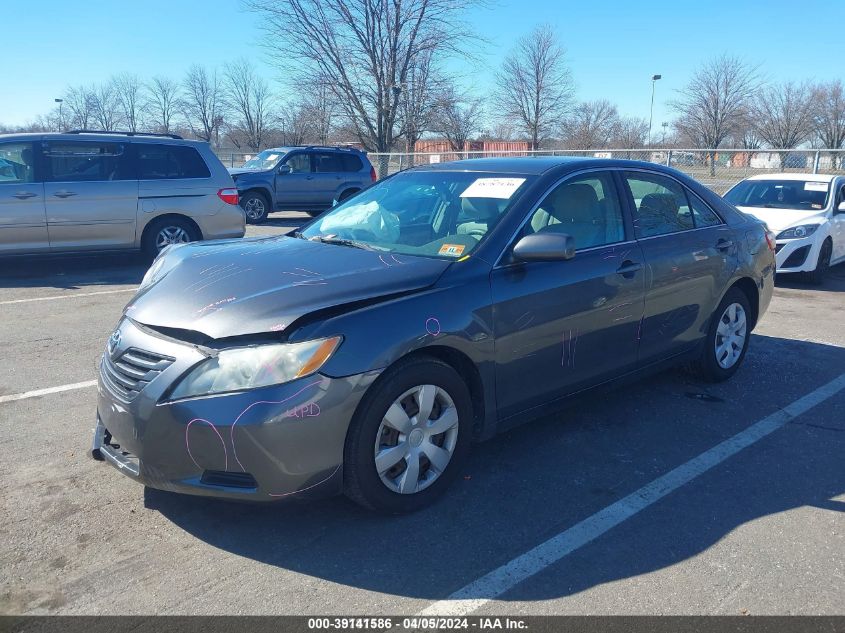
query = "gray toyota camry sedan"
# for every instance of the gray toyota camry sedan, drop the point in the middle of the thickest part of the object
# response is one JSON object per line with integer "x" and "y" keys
{"x": 365, "y": 353}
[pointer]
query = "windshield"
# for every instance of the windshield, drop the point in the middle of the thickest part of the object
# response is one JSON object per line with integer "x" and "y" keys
{"x": 780, "y": 194}
{"x": 265, "y": 160}
{"x": 430, "y": 213}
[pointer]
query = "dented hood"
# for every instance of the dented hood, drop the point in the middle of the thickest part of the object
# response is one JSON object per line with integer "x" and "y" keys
{"x": 237, "y": 287}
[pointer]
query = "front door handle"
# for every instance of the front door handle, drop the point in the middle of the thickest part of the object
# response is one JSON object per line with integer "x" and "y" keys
{"x": 64, "y": 194}
{"x": 723, "y": 244}
{"x": 628, "y": 268}
{"x": 23, "y": 195}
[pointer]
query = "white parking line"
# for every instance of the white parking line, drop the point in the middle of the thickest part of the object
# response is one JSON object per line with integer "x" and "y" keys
{"x": 48, "y": 390}
{"x": 500, "y": 580}
{"x": 70, "y": 296}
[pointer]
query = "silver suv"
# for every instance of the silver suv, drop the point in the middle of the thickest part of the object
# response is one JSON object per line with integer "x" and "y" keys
{"x": 85, "y": 191}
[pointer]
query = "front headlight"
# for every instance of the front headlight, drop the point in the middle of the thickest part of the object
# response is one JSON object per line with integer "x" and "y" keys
{"x": 242, "y": 368}
{"x": 798, "y": 231}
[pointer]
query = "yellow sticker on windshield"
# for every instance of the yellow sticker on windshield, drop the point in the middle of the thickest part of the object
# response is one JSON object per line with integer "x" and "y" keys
{"x": 453, "y": 250}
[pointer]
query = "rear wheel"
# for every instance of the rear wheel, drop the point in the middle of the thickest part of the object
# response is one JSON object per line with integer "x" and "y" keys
{"x": 347, "y": 194}
{"x": 167, "y": 231}
{"x": 255, "y": 206}
{"x": 822, "y": 265}
{"x": 409, "y": 438}
{"x": 727, "y": 339}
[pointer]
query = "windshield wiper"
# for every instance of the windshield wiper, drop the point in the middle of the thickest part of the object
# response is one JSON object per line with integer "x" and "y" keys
{"x": 326, "y": 239}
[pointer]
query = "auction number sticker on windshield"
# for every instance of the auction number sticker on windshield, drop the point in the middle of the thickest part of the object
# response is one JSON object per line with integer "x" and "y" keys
{"x": 502, "y": 188}
{"x": 453, "y": 250}
{"x": 815, "y": 186}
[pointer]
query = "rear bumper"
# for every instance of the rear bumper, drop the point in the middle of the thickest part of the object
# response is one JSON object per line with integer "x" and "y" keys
{"x": 229, "y": 222}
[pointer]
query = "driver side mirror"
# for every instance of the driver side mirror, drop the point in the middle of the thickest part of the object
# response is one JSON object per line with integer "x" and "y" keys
{"x": 284, "y": 169}
{"x": 545, "y": 247}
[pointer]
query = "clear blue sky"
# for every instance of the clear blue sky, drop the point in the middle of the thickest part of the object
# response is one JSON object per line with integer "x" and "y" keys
{"x": 613, "y": 46}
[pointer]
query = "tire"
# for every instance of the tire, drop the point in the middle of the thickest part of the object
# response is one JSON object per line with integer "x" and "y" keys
{"x": 256, "y": 207}
{"x": 346, "y": 194}
{"x": 370, "y": 434}
{"x": 708, "y": 365}
{"x": 817, "y": 276}
{"x": 165, "y": 231}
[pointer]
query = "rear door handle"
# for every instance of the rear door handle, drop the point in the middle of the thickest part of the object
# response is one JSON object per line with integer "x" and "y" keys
{"x": 628, "y": 268}
{"x": 64, "y": 194}
{"x": 23, "y": 195}
{"x": 724, "y": 244}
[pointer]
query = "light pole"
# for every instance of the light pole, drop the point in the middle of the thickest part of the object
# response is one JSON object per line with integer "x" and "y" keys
{"x": 664, "y": 125}
{"x": 61, "y": 118}
{"x": 654, "y": 79}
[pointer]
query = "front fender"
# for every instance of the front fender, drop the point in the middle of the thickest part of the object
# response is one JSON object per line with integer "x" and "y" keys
{"x": 455, "y": 314}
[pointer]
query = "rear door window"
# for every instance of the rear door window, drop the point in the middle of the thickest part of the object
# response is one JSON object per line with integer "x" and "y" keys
{"x": 86, "y": 161}
{"x": 167, "y": 162}
{"x": 16, "y": 163}
{"x": 661, "y": 204}
{"x": 702, "y": 214}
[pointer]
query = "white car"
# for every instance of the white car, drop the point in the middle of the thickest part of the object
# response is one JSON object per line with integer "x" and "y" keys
{"x": 807, "y": 214}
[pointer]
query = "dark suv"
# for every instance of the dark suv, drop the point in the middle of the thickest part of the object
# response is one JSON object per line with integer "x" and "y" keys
{"x": 300, "y": 178}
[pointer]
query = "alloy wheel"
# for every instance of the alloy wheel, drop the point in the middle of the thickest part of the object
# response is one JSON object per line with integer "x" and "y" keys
{"x": 416, "y": 439}
{"x": 730, "y": 335}
{"x": 171, "y": 235}
{"x": 254, "y": 208}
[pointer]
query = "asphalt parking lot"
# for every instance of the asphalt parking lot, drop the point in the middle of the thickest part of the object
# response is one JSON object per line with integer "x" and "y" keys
{"x": 759, "y": 531}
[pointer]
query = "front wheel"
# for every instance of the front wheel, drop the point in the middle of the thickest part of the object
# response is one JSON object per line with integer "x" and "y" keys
{"x": 255, "y": 206}
{"x": 816, "y": 277}
{"x": 727, "y": 339}
{"x": 409, "y": 438}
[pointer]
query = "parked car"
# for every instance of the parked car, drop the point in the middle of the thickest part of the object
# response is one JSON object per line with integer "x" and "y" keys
{"x": 301, "y": 179}
{"x": 90, "y": 191}
{"x": 443, "y": 304}
{"x": 807, "y": 213}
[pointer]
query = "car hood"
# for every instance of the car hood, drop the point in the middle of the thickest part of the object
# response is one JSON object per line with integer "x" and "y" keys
{"x": 779, "y": 219}
{"x": 239, "y": 171}
{"x": 236, "y": 287}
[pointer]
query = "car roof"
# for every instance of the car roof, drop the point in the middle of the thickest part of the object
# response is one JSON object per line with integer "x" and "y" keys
{"x": 536, "y": 165}
{"x": 95, "y": 136}
{"x": 793, "y": 176}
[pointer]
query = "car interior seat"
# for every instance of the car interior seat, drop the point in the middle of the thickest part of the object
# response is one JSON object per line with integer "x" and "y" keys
{"x": 479, "y": 214}
{"x": 658, "y": 213}
{"x": 573, "y": 209}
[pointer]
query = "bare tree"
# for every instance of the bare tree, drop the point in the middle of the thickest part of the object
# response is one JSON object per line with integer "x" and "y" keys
{"x": 203, "y": 97}
{"x": 320, "y": 110}
{"x": 297, "y": 123}
{"x": 79, "y": 104}
{"x": 363, "y": 50}
{"x": 106, "y": 106}
{"x": 163, "y": 104}
{"x": 535, "y": 87}
{"x": 829, "y": 116}
{"x": 458, "y": 118}
{"x": 419, "y": 99}
{"x": 128, "y": 90}
{"x": 711, "y": 106}
{"x": 782, "y": 115}
{"x": 249, "y": 98}
{"x": 592, "y": 125}
{"x": 630, "y": 133}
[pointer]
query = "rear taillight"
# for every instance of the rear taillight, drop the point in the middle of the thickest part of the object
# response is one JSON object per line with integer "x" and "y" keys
{"x": 770, "y": 240}
{"x": 373, "y": 175}
{"x": 229, "y": 196}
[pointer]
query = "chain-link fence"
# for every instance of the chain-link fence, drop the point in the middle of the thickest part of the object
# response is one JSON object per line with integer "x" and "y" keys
{"x": 718, "y": 169}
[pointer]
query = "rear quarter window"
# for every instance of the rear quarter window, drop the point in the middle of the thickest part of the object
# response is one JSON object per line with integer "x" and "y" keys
{"x": 351, "y": 163}
{"x": 169, "y": 162}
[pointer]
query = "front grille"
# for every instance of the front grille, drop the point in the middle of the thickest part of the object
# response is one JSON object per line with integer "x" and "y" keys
{"x": 230, "y": 480}
{"x": 128, "y": 374}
